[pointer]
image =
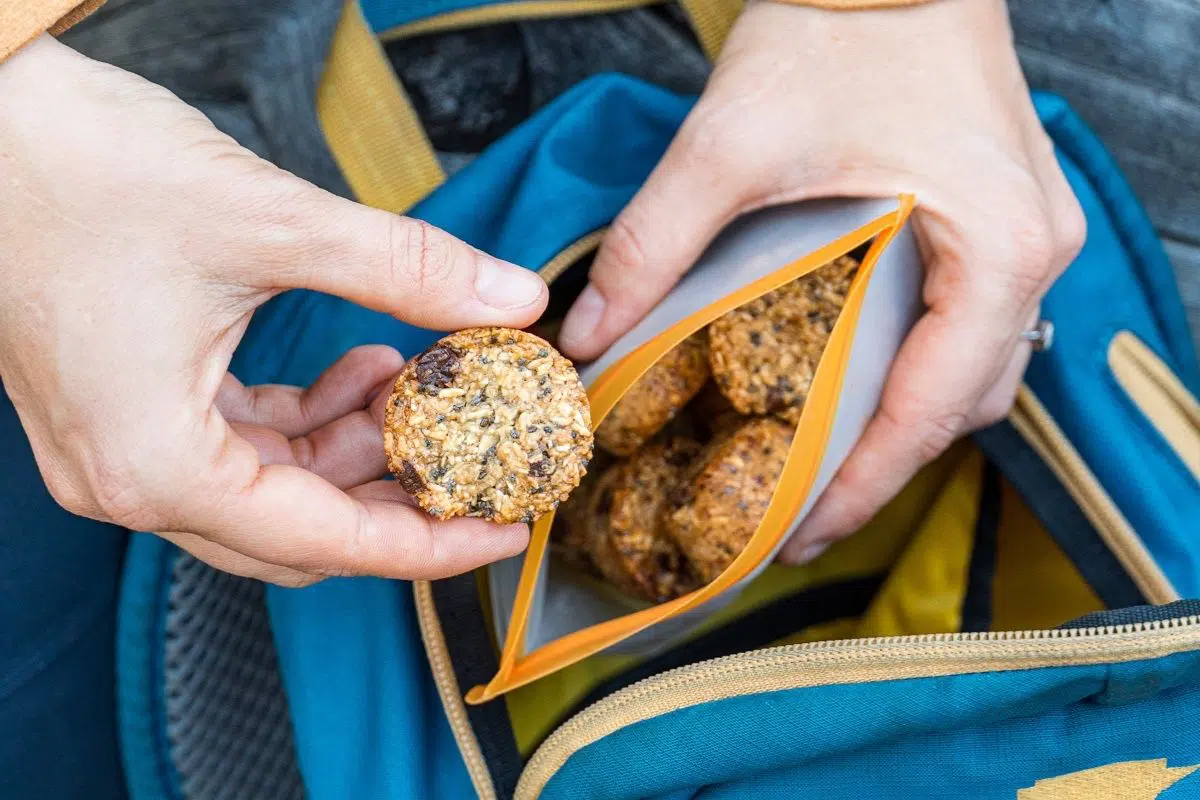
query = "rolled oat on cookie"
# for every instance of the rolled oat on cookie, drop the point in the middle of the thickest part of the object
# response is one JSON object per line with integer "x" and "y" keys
{"x": 491, "y": 423}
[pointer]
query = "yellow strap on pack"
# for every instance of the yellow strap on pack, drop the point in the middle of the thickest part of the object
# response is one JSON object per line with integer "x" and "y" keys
{"x": 369, "y": 123}
{"x": 712, "y": 20}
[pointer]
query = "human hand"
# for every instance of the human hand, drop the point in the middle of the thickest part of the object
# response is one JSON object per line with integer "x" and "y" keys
{"x": 806, "y": 103}
{"x": 135, "y": 242}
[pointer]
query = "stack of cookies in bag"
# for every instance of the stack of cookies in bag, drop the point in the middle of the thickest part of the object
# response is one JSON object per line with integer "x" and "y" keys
{"x": 692, "y": 452}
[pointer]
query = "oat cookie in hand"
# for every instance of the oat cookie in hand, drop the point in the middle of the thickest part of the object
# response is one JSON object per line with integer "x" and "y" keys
{"x": 764, "y": 353}
{"x": 491, "y": 423}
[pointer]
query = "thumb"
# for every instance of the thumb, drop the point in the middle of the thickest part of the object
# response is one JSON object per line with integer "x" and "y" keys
{"x": 656, "y": 239}
{"x": 407, "y": 268}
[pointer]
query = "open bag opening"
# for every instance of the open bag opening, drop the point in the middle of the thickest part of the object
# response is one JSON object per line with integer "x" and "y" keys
{"x": 690, "y": 456}
{"x": 770, "y": 315}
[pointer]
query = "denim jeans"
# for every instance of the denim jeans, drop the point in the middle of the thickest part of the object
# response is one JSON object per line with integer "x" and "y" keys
{"x": 58, "y": 590}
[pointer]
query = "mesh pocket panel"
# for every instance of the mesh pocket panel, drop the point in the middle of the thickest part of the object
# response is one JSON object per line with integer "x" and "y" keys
{"x": 227, "y": 716}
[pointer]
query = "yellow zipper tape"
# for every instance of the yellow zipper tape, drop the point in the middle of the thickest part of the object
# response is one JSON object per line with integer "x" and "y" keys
{"x": 553, "y": 269}
{"x": 518, "y": 668}
{"x": 849, "y": 662}
{"x": 1159, "y": 394}
{"x": 447, "y": 685}
{"x": 1039, "y": 429}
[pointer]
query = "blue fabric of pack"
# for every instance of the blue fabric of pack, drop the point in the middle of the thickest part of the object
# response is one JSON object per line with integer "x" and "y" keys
{"x": 956, "y": 737}
{"x": 1124, "y": 272}
{"x": 383, "y": 15}
{"x": 566, "y": 172}
{"x": 367, "y": 720}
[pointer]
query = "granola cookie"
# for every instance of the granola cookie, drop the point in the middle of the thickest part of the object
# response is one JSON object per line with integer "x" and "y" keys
{"x": 656, "y": 397}
{"x": 571, "y": 534}
{"x": 612, "y": 524}
{"x": 491, "y": 423}
{"x": 632, "y": 548}
{"x": 719, "y": 504}
{"x": 764, "y": 353}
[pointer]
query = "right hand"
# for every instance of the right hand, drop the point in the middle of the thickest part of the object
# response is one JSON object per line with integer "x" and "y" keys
{"x": 135, "y": 242}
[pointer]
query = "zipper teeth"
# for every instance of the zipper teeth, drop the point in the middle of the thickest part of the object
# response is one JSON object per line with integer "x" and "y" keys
{"x": 855, "y": 649}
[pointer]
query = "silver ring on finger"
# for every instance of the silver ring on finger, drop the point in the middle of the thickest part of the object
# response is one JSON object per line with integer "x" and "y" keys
{"x": 1040, "y": 336}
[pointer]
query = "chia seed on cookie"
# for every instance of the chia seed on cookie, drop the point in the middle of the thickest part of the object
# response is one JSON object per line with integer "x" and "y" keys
{"x": 656, "y": 397}
{"x": 720, "y": 502}
{"x": 491, "y": 423}
{"x": 764, "y": 353}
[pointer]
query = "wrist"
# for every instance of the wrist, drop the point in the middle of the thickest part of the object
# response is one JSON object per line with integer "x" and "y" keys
{"x": 880, "y": 39}
{"x": 39, "y": 48}
{"x": 36, "y": 85}
{"x": 21, "y": 73}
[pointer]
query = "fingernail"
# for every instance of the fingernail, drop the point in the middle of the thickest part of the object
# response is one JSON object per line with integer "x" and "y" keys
{"x": 583, "y": 317}
{"x": 506, "y": 287}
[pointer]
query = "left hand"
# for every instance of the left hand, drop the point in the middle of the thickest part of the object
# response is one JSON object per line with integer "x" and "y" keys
{"x": 806, "y": 103}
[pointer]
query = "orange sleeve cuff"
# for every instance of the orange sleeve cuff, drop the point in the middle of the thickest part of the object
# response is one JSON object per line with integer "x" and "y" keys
{"x": 22, "y": 21}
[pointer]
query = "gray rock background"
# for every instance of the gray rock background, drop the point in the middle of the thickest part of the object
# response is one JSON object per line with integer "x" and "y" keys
{"x": 1131, "y": 69}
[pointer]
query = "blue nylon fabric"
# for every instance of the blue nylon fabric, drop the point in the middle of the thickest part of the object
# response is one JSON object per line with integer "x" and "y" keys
{"x": 963, "y": 736}
{"x": 367, "y": 719}
{"x": 1120, "y": 281}
{"x": 563, "y": 173}
{"x": 59, "y": 578}
{"x": 149, "y": 772}
{"x": 1147, "y": 258}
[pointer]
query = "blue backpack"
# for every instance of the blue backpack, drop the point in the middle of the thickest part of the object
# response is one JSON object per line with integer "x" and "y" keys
{"x": 1011, "y": 625}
